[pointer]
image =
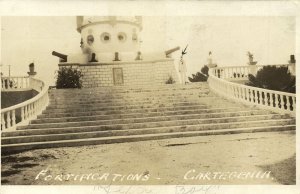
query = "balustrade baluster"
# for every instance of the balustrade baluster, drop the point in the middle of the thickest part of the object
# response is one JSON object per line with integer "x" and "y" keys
{"x": 237, "y": 92}
{"x": 234, "y": 91}
{"x": 294, "y": 103}
{"x": 34, "y": 108}
{"x": 22, "y": 114}
{"x": 27, "y": 82}
{"x": 26, "y": 112}
{"x": 13, "y": 117}
{"x": 30, "y": 110}
{"x": 260, "y": 97}
{"x": 241, "y": 92}
{"x": 288, "y": 104}
{"x": 265, "y": 98}
{"x": 3, "y": 121}
{"x": 247, "y": 94}
{"x": 17, "y": 82}
{"x": 281, "y": 101}
{"x": 273, "y": 100}
{"x": 8, "y": 119}
{"x": 22, "y": 82}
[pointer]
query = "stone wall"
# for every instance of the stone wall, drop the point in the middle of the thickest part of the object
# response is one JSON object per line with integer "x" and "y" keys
{"x": 135, "y": 73}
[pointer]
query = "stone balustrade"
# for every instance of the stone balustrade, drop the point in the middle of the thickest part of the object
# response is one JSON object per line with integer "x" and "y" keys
{"x": 233, "y": 73}
{"x": 22, "y": 113}
{"x": 277, "y": 101}
{"x": 14, "y": 83}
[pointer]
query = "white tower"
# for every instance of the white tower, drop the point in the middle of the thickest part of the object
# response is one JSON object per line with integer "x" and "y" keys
{"x": 109, "y": 34}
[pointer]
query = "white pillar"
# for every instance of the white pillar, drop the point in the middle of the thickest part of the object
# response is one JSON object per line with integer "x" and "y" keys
{"x": 292, "y": 68}
{"x": 252, "y": 68}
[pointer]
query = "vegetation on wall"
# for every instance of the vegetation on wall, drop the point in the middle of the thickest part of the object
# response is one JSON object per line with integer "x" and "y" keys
{"x": 200, "y": 76}
{"x": 67, "y": 77}
{"x": 170, "y": 80}
{"x": 273, "y": 78}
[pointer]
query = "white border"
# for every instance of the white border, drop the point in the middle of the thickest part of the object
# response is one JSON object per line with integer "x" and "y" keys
{"x": 156, "y": 8}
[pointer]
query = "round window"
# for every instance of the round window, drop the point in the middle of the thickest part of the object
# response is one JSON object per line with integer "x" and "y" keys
{"x": 90, "y": 39}
{"x": 105, "y": 37}
{"x": 122, "y": 37}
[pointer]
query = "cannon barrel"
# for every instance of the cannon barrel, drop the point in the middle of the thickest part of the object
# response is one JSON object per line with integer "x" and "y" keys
{"x": 172, "y": 50}
{"x": 61, "y": 56}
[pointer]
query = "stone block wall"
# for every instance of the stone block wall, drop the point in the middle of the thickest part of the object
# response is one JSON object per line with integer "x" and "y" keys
{"x": 136, "y": 73}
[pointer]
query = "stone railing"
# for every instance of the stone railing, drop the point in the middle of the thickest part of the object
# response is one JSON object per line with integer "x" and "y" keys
{"x": 14, "y": 83}
{"x": 232, "y": 73}
{"x": 277, "y": 101}
{"x": 22, "y": 113}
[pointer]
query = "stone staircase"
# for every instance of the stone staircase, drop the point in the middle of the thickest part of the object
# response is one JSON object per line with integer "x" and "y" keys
{"x": 104, "y": 115}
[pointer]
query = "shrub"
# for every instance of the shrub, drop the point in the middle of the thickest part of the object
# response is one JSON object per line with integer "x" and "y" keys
{"x": 67, "y": 77}
{"x": 170, "y": 80}
{"x": 200, "y": 76}
{"x": 273, "y": 78}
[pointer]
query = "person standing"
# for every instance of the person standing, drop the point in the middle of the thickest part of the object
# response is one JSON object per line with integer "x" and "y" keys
{"x": 182, "y": 67}
{"x": 182, "y": 70}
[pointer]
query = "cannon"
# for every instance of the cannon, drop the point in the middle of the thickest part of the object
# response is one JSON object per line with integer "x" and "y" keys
{"x": 168, "y": 52}
{"x": 62, "y": 57}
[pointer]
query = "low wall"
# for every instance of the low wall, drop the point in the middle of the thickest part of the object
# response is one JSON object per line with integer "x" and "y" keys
{"x": 134, "y": 73}
{"x": 15, "y": 97}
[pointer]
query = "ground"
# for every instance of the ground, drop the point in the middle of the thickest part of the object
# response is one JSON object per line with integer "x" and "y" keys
{"x": 169, "y": 161}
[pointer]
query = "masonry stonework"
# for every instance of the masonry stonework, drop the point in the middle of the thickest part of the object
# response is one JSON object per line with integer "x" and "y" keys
{"x": 136, "y": 73}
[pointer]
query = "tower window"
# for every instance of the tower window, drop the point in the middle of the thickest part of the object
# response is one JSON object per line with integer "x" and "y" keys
{"x": 122, "y": 37}
{"x": 90, "y": 39}
{"x": 105, "y": 37}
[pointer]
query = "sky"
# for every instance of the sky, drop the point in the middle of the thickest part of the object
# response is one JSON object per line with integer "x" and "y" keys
{"x": 33, "y": 38}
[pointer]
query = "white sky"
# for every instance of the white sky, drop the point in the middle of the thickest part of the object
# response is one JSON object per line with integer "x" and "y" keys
{"x": 271, "y": 39}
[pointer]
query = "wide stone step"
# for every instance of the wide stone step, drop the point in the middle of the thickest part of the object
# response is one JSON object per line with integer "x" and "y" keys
{"x": 141, "y": 112}
{"x": 146, "y": 99}
{"x": 233, "y": 122}
{"x": 94, "y": 134}
{"x": 160, "y": 121}
{"x": 129, "y": 108}
{"x": 144, "y": 122}
{"x": 139, "y": 136}
{"x": 128, "y": 95}
{"x": 107, "y": 124}
{"x": 132, "y": 104}
{"x": 122, "y": 89}
{"x": 142, "y": 107}
{"x": 150, "y": 116}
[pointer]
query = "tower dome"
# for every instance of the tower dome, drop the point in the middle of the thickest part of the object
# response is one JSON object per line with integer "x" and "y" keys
{"x": 109, "y": 34}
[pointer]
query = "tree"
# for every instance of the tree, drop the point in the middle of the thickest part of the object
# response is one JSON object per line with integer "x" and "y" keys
{"x": 68, "y": 78}
{"x": 200, "y": 76}
{"x": 273, "y": 78}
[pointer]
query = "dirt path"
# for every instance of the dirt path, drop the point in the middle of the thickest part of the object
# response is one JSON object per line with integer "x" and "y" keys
{"x": 260, "y": 158}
